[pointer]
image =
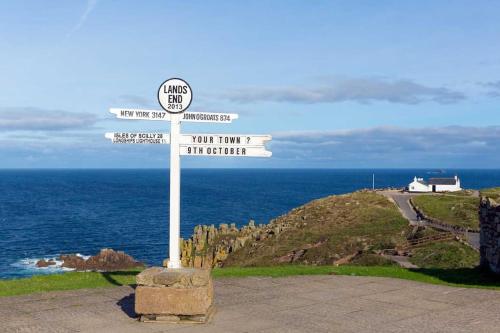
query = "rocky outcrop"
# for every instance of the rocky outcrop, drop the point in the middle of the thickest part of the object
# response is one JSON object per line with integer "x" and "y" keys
{"x": 210, "y": 246}
{"x": 489, "y": 217}
{"x": 106, "y": 260}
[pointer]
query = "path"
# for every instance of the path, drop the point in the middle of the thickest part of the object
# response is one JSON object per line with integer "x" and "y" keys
{"x": 402, "y": 261}
{"x": 402, "y": 200}
{"x": 326, "y": 303}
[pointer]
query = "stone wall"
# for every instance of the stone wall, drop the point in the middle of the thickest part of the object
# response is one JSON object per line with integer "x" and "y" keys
{"x": 489, "y": 216}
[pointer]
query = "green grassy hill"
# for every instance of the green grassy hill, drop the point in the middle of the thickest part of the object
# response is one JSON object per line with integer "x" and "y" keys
{"x": 445, "y": 255}
{"x": 327, "y": 230}
{"x": 458, "y": 210}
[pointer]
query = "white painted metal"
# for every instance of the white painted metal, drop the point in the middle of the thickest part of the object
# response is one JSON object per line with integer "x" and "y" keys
{"x": 140, "y": 114}
{"x": 139, "y": 138}
{"x": 174, "y": 95}
{"x": 223, "y": 150}
{"x": 196, "y": 117}
{"x": 208, "y": 117}
{"x": 175, "y": 195}
{"x": 225, "y": 139}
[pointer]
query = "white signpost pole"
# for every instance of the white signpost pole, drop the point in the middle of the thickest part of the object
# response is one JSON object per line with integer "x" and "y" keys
{"x": 175, "y": 96}
{"x": 175, "y": 192}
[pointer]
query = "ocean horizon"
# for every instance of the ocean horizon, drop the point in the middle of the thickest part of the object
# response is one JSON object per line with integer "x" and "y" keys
{"x": 48, "y": 212}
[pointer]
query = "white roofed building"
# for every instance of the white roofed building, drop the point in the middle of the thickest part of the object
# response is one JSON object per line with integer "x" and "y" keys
{"x": 435, "y": 185}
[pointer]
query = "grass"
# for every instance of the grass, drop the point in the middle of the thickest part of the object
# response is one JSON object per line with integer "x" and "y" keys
{"x": 445, "y": 255}
{"x": 457, "y": 210}
{"x": 463, "y": 277}
{"x": 66, "y": 281}
{"x": 492, "y": 193}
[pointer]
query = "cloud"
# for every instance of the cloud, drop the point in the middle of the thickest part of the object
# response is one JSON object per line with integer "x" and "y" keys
{"x": 37, "y": 119}
{"x": 363, "y": 90}
{"x": 88, "y": 10}
{"x": 377, "y": 147}
{"x": 392, "y": 147}
{"x": 494, "y": 88}
{"x": 130, "y": 100}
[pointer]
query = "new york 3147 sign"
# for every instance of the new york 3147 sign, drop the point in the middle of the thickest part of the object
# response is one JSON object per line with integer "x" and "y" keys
{"x": 175, "y": 96}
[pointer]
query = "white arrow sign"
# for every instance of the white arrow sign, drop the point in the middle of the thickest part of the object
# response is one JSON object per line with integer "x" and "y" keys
{"x": 218, "y": 150}
{"x": 198, "y": 117}
{"x": 239, "y": 140}
{"x": 139, "y": 138}
{"x": 140, "y": 114}
{"x": 225, "y": 139}
{"x": 208, "y": 117}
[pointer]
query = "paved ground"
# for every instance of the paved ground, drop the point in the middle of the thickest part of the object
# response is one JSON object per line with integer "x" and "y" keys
{"x": 294, "y": 304}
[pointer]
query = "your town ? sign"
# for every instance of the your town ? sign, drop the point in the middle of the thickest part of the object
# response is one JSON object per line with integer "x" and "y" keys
{"x": 175, "y": 96}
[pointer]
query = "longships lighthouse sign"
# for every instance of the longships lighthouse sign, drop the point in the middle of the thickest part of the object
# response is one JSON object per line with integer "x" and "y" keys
{"x": 175, "y": 96}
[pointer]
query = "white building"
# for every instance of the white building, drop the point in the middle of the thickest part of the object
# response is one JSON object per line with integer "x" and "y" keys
{"x": 435, "y": 185}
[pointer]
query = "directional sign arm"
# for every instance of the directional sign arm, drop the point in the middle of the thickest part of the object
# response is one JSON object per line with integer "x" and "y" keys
{"x": 140, "y": 114}
{"x": 196, "y": 117}
{"x": 224, "y": 151}
{"x": 139, "y": 138}
{"x": 225, "y": 139}
{"x": 208, "y": 117}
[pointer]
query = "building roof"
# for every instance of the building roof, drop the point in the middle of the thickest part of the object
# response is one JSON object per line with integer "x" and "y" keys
{"x": 442, "y": 181}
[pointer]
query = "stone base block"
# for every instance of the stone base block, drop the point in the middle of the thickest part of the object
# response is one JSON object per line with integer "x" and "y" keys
{"x": 175, "y": 319}
{"x": 174, "y": 295}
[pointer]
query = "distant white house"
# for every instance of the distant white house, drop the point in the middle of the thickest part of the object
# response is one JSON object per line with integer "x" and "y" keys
{"x": 435, "y": 185}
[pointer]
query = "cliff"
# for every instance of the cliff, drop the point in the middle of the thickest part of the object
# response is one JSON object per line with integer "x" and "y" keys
{"x": 323, "y": 231}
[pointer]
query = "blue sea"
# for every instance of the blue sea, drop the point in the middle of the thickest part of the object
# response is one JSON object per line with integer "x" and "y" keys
{"x": 44, "y": 213}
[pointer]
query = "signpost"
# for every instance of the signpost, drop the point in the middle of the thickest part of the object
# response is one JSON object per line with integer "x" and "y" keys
{"x": 175, "y": 96}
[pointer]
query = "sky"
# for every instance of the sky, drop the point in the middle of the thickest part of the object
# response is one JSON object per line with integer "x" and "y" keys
{"x": 338, "y": 84}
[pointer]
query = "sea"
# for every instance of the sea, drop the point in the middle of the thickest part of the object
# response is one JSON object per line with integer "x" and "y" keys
{"x": 45, "y": 213}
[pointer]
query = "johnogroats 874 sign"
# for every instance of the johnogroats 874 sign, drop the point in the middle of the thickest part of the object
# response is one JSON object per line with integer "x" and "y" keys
{"x": 175, "y": 97}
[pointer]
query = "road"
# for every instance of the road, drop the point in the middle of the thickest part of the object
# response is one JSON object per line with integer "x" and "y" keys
{"x": 327, "y": 303}
{"x": 402, "y": 200}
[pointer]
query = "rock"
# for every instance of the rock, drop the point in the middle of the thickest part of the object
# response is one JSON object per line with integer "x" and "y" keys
{"x": 106, "y": 260}
{"x": 145, "y": 277}
{"x": 212, "y": 233}
{"x": 174, "y": 292}
{"x": 43, "y": 263}
{"x": 109, "y": 260}
{"x": 223, "y": 228}
{"x": 73, "y": 261}
{"x": 346, "y": 259}
{"x": 298, "y": 254}
{"x": 198, "y": 262}
{"x": 173, "y": 301}
{"x": 292, "y": 256}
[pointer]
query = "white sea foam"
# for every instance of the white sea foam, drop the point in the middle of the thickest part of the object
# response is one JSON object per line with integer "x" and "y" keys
{"x": 29, "y": 264}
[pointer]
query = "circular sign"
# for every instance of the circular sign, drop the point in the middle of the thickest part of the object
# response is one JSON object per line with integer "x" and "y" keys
{"x": 175, "y": 95}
